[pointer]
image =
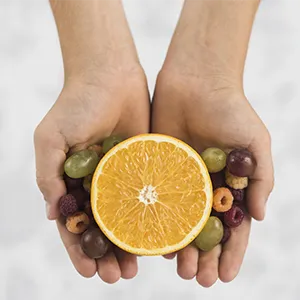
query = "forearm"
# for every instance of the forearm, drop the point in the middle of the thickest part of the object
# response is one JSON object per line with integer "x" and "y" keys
{"x": 215, "y": 35}
{"x": 93, "y": 34}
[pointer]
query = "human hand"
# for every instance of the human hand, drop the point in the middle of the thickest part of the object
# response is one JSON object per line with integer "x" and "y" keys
{"x": 105, "y": 93}
{"x": 225, "y": 119}
{"x": 199, "y": 99}
{"x": 83, "y": 115}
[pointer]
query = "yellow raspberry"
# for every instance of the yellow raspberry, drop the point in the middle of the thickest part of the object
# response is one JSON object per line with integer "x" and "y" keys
{"x": 78, "y": 222}
{"x": 237, "y": 183}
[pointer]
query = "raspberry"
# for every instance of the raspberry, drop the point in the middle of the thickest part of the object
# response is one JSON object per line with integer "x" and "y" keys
{"x": 71, "y": 183}
{"x": 78, "y": 222}
{"x": 217, "y": 179}
{"x": 222, "y": 199}
{"x": 68, "y": 205}
{"x": 226, "y": 234}
{"x": 238, "y": 195}
{"x": 81, "y": 197}
{"x": 237, "y": 183}
{"x": 234, "y": 217}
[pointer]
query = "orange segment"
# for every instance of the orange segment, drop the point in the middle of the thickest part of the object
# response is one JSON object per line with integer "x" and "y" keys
{"x": 151, "y": 194}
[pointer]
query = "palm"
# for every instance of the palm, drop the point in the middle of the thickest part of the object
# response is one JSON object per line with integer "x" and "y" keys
{"x": 222, "y": 119}
{"x": 83, "y": 115}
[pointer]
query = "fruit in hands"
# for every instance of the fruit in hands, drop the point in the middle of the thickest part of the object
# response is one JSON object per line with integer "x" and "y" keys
{"x": 78, "y": 222}
{"x": 140, "y": 200}
{"x": 94, "y": 243}
{"x": 111, "y": 142}
{"x": 215, "y": 159}
{"x": 241, "y": 163}
{"x": 81, "y": 163}
{"x": 223, "y": 199}
{"x": 235, "y": 182}
{"x": 234, "y": 217}
{"x": 211, "y": 234}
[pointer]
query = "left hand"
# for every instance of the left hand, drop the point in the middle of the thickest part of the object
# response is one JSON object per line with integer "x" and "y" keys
{"x": 203, "y": 114}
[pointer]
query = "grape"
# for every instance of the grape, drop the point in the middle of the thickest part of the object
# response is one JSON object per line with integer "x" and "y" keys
{"x": 217, "y": 179}
{"x": 72, "y": 183}
{"x": 214, "y": 158}
{"x": 94, "y": 243}
{"x": 111, "y": 142}
{"x": 211, "y": 234}
{"x": 81, "y": 163}
{"x": 241, "y": 163}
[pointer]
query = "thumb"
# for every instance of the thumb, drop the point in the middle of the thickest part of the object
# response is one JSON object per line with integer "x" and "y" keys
{"x": 50, "y": 154}
{"x": 262, "y": 181}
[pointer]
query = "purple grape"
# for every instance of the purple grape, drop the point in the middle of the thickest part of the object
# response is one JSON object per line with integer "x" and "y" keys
{"x": 241, "y": 163}
{"x": 217, "y": 179}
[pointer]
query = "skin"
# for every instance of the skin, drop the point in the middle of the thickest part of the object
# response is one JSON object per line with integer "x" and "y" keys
{"x": 199, "y": 98}
{"x": 105, "y": 93}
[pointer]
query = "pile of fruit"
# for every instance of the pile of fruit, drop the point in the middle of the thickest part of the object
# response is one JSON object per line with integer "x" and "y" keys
{"x": 75, "y": 206}
{"x": 228, "y": 174}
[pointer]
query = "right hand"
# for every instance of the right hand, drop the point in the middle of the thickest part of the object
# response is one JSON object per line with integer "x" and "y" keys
{"x": 88, "y": 110}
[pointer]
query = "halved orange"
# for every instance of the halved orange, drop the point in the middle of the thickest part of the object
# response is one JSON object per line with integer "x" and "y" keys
{"x": 151, "y": 194}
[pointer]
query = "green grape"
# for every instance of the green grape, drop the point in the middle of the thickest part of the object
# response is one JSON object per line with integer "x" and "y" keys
{"x": 111, "y": 142}
{"x": 214, "y": 158}
{"x": 211, "y": 234}
{"x": 81, "y": 163}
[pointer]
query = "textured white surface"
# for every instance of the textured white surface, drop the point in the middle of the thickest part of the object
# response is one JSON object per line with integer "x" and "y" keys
{"x": 33, "y": 263}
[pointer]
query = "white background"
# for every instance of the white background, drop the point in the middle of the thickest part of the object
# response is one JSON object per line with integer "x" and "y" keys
{"x": 33, "y": 262}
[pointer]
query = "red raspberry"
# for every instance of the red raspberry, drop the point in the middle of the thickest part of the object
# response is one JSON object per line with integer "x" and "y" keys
{"x": 71, "y": 183}
{"x": 217, "y": 179}
{"x": 234, "y": 216}
{"x": 238, "y": 195}
{"x": 226, "y": 235}
{"x": 68, "y": 205}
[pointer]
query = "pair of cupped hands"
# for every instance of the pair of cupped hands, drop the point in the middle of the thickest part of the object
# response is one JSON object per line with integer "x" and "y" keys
{"x": 202, "y": 112}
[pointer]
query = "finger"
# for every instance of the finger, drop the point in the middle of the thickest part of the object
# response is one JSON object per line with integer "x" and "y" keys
{"x": 83, "y": 264}
{"x": 262, "y": 181}
{"x": 170, "y": 255}
{"x": 108, "y": 268}
{"x": 187, "y": 262}
{"x": 128, "y": 264}
{"x": 208, "y": 265}
{"x": 234, "y": 250}
{"x": 50, "y": 153}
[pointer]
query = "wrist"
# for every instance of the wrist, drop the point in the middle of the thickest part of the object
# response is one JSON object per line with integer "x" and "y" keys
{"x": 94, "y": 35}
{"x": 90, "y": 68}
{"x": 197, "y": 88}
{"x": 211, "y": 38}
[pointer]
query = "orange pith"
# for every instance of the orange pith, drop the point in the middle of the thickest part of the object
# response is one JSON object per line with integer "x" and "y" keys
{"x": 151, "y": 194}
